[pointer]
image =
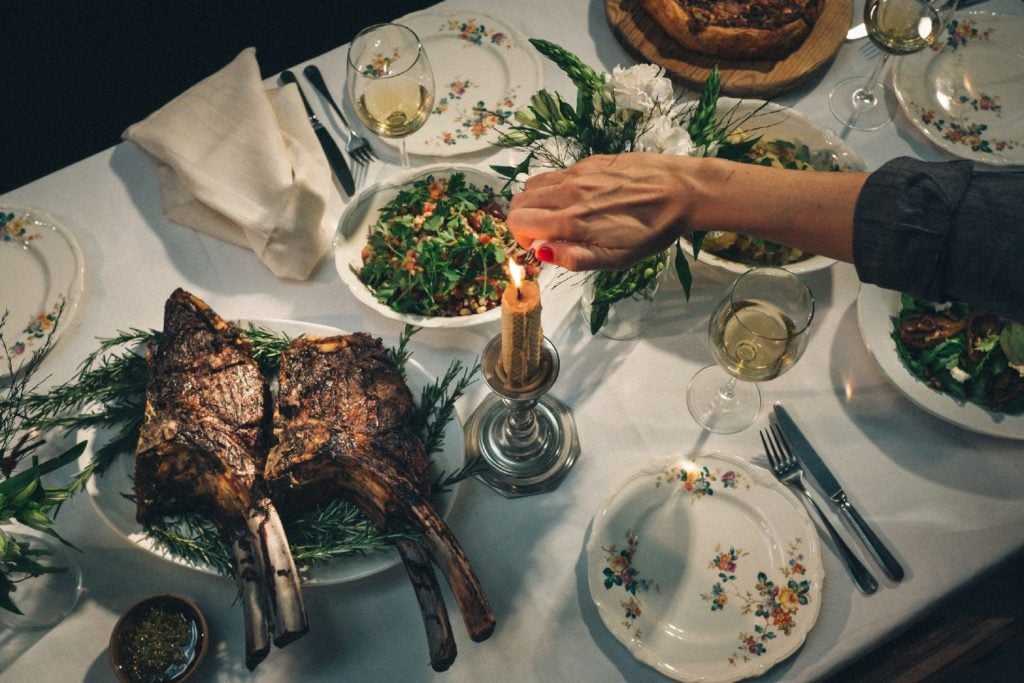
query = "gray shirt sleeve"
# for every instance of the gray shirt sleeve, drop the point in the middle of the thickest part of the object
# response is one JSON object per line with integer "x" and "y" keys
{"x": 942, "y": 231}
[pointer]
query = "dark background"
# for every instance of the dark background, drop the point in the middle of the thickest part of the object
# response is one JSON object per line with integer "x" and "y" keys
{"x": 74, "y": 74}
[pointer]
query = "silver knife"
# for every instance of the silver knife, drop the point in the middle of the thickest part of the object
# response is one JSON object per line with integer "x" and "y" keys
{"x": 806, "y": 454}
{"x": 330, "y": 147}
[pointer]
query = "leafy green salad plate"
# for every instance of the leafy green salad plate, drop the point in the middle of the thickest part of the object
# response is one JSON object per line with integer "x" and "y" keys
{"x": 877, "y": 308}
{"x": 429, "y": 247}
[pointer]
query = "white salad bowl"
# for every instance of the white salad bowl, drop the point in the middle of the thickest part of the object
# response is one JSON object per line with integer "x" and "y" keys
{"x": 771, "y": 121}
{"x": 364, "y": 210}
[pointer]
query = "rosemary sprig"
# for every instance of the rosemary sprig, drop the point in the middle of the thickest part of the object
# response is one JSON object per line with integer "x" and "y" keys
{"x": 336, "y": 529}
{"x": 437, "y": 403}
{"x": 445, "y": 481}
{"x": 195, "y": 540}
{"x": 401, "y": 353}
{"x": 266, "y": 347}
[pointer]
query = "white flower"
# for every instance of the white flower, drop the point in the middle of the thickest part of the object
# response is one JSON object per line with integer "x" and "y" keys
{"x": 555, "y": 152}
{"x": 642, "y": 87}
{"x": 661, "y": 134}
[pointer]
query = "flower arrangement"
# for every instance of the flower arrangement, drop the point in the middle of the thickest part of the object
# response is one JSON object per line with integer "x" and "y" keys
{"x": 631, "y": 109}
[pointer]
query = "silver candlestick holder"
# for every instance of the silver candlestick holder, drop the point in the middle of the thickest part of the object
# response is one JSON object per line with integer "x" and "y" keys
{"x": 527, "y": 438}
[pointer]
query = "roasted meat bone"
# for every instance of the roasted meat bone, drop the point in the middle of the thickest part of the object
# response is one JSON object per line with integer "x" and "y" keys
{"x": 343, "y": 426}
{"x": 202, "y": 446}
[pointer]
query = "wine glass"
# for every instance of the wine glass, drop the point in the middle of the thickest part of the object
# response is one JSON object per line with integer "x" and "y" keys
{"x": 757, "y": 332}
{"x": 898, "y": 27}
{"x": 390, "y": 82}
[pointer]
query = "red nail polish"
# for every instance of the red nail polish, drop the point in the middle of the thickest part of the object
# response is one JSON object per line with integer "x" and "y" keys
{"x": 545, "y": 253}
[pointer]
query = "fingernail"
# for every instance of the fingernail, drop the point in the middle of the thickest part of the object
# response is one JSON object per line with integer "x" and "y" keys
{"x": 546, "y": 254}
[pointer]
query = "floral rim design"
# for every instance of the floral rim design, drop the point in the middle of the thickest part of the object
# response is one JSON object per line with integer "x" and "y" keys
{"x": 476, "y": 33}
{"x": 43, "y": 264}
{"x": 700, "y": 481}
{"x": 977, "y": 121}
{"x": 474, "y": 95}
{"x": 960, "y": 32}
{"x": 707, "y": 545}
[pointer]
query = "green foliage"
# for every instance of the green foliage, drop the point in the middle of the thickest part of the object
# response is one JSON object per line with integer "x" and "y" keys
{"x": 23, "y": 496}
{"x": 1011, "y": 341}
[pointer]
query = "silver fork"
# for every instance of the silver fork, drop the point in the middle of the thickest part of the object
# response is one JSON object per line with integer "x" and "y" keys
{"x": 357, "y": 147}
{"x": 787, "y": 470}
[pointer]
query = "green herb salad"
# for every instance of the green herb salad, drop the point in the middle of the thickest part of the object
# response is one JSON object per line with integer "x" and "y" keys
{"x": 957, "y": 349}
{"x": 439, "y": 248}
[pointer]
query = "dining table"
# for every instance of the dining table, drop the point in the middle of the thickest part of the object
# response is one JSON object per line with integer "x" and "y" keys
{"x": 946, "y": 499}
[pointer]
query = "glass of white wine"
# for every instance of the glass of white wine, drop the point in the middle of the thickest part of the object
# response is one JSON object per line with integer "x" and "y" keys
{"x": 390, "y": 82}
{"x": 898, "y": 27}
{"x": 757, "y": 332}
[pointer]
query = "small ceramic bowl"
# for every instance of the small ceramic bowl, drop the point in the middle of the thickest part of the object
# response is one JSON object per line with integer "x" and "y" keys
{"x": 175, "y": 664}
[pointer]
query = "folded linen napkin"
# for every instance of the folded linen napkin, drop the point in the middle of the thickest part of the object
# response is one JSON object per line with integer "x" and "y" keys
{"x": 241, "y": 162}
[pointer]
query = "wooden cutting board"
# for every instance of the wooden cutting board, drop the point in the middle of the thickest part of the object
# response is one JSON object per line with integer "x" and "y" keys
{"x": 645, "y": 39}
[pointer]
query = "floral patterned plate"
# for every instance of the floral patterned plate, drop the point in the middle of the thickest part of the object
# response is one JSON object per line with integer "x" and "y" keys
{"x": 43, "y": 269}
{"x": 706, "y": 568}
{"x": 965, "y": 92}
{"x": 484, "y": 70}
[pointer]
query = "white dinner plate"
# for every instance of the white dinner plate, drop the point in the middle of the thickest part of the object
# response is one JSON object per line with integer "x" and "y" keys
{"x": 774, "y": 122}
{"x": 706, "y": 568}
{"x": 107, "y": 490}
{"x": 965, "y": 93}
{"x": 364, "y": 210}
{"x": 484, "y": 70}
{"x": 876, "y": 308}
{"x": 42, "y": 268}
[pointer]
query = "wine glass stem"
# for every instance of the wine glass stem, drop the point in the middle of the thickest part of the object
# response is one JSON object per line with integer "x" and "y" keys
{"x": 403, "y": 153}
{"x": 728, "y": 390}
{"x": 865, "y": 96}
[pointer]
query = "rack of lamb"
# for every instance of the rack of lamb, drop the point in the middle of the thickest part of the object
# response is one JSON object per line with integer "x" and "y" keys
{"x": 203, "y": 446}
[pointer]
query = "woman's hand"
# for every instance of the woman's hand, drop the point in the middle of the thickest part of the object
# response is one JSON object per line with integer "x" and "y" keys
{"x": 605, "y": 212}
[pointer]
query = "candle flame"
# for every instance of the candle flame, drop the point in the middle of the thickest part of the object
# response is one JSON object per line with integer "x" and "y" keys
{"x": 517, "y": 272}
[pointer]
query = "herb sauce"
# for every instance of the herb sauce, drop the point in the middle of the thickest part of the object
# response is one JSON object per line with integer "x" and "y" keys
{"x": 159, "y": 645}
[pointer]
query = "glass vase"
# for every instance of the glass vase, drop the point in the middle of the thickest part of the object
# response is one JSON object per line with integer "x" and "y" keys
{"x": 629, "y": 317}
{"x": 43, "y": 599}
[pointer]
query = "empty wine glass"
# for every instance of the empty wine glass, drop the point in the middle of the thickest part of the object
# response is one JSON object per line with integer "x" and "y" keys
{"x": 390, "y": 82}
{"x": 898, "y": 27}
{"x": 757, "y": 332}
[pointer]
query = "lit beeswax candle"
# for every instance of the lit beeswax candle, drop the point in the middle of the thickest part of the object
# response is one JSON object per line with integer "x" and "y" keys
{"x": 521, "y": 333}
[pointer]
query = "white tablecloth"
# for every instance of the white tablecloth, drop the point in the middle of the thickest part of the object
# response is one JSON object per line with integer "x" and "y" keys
{"x": 948, "y": 501}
